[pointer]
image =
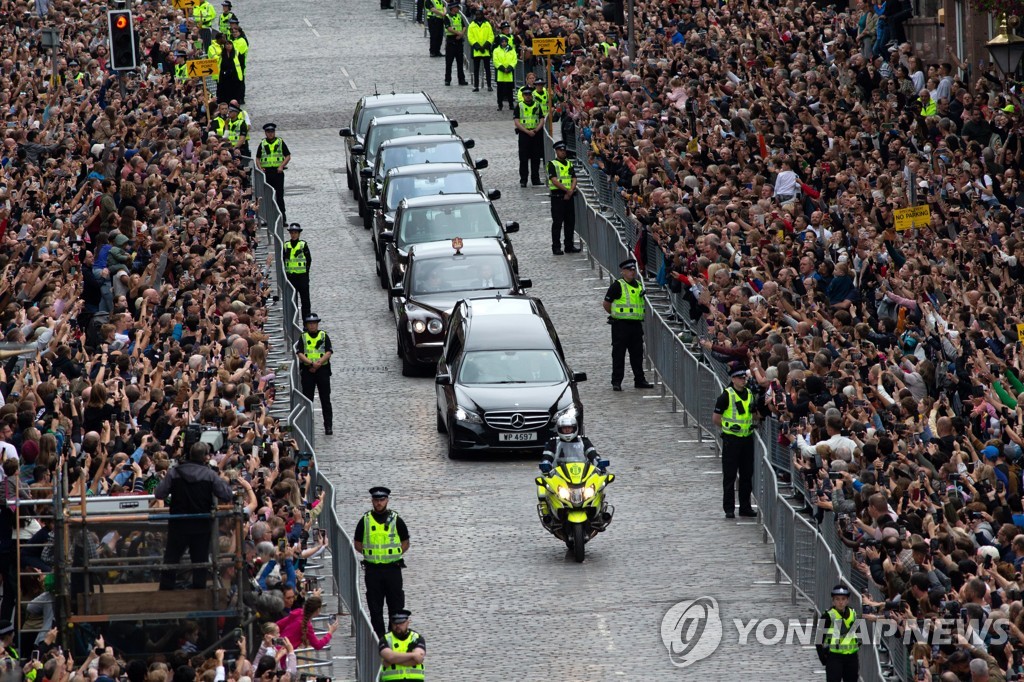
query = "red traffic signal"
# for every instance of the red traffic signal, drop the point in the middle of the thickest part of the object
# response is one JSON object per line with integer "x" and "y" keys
{"x": 123, "y": 50}
{"x": 121, "y": 22}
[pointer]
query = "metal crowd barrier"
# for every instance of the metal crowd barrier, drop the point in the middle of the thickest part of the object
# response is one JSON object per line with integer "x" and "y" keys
{"x": 813, "y": 560}
{"x": 345, "y": 562}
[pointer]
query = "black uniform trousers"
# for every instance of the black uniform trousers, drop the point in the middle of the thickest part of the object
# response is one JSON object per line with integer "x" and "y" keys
{"x": 419, "y": 12}
{"x": 453, "y": 53}
{"x": 301, "y": 284}
{"x": 842, "y": 667}
{"x": 737, "y": 458}
{"x": 486, "y": 62}
{"x": 385, "y": 4}
{"x": 627, "y": 335}
{"x": 435, "y": 26}
{"x": 319, "y": 380}
{"x": 275, "y": 179}
{"x": 191, "y": 536}
{"x": 531, "y": 153}
{"x": 563, "y": 219}
{"x": 505, "y": 94}
{"x": 383, "y": 583}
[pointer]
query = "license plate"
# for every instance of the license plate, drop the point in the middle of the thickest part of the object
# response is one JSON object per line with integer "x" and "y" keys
{"x": 518, "y": 437}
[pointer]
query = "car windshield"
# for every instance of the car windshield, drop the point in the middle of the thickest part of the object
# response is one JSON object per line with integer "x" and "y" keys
{"x": 511, "y": 367}
{"x": 438, "y": 223}
{"x": 408, "y": 155}
{"x": 459, "y": 273}
{"x": 382, "y": 133}
{"x": 368, "y": 114}
{"x": 429, "y": 184}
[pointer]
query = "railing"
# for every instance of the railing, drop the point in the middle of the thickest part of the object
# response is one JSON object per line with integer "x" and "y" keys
{"x": 813, "y": 559}
{"x": 344, "y": 560}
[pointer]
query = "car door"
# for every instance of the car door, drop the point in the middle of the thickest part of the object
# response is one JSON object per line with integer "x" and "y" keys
{"x": 453, "y": 344}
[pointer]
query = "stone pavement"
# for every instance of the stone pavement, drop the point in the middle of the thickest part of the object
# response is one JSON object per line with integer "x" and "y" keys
{"x": 495, "y": 596}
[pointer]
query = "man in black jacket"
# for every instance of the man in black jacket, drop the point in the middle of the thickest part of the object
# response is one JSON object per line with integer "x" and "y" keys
{"x": 193, "y": 488}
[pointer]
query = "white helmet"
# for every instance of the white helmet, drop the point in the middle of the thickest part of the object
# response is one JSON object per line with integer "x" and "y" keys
{"x": 567, "y": 428}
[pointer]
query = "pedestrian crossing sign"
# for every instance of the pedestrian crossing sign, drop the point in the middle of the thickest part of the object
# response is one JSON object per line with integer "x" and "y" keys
{"x": 185, "y": 4}
{"x": 201, "y": 68}
{"x": 548, "y": 47}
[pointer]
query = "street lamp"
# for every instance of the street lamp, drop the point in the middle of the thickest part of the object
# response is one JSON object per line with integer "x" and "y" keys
{"x": 1006, "y": 49}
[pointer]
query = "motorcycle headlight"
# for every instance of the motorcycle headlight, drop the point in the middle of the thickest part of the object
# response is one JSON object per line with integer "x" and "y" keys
{"x": 570, "y": 411}
{"x": 464, "y": 415}
{"x": 589, "y": 492}
{"x": 563, "y": 493}
{"x": 419, "y": 326}
{"x": 435, "y": 326}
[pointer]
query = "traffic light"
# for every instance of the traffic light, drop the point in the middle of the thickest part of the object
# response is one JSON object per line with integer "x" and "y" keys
{"x": 123, "y": 56}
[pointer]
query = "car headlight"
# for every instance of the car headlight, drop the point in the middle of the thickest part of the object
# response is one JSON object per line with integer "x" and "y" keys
{"x": 563, "y": 493}
{"x": 464, "y": 415}
{"x": 570, "y": 411}
{"x": 589, "y": 492}
{"x": 419, "y": 326}
{"x": 435, "y": 326}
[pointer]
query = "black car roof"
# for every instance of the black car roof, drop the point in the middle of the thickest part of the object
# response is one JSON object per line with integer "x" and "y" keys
{"x": 408, "y": 118}
{"x": 445, "y": 200}
{"x": 394, "y": 98}
{"x": 419, "y": 139}
{"x": 429, "y": 169}
{"x": 444, "y": 249}
{"x": 508, "y": 332}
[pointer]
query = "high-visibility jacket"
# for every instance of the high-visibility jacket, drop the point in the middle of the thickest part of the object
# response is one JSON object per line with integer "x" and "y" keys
{"x": 241, "y": 44}
{"x": 204, "y": 14}
{"x": 238, "y": 64}
{"x": 564, "y": 171}
{"x": 223, "y": 24}
{"x": 394, "y": 673}
{"x": 381, "y": 544}
{"x": 313, "y": 346}
{"x": 272, "y": 153}
{"x": 841, "y": 637}
{"x": 179, "y": 72}
{"x": 481, "y": 38}
{"x": 505, "y": 60}
{"x": 511, "y": 40}
{"x": 453, "y": 23}
{"x": 738, "y": 418}
{"x": 220, "y": 124}
{"x": 539, "y": 96}
{"x": 435, "y": 9}
{"x": 630, "y": 303}
{"x": 235, "y": 130}
{"x": 930, "y": 108}
{"x": 605, "y": 46}
{"x": 214, "y": 52}
{"x": 295, "y": 262}
{"x": 530, "y": 115}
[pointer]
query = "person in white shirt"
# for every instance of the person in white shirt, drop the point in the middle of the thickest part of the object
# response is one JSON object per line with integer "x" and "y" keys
{"x": 786, "y": 183}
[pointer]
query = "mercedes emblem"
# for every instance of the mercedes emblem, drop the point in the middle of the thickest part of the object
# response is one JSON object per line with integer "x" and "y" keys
{"x": 518, "y": 421}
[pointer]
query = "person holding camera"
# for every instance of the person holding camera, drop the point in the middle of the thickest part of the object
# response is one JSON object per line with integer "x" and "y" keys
{"x": 279, "y": 648}
{"x": 837, "y": 642}
{"x": 734, "y": 414}
{"x": 193, "y": 488}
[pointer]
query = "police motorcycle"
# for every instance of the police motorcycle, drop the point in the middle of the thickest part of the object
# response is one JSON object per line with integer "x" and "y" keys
{"x": 571, "y": 497}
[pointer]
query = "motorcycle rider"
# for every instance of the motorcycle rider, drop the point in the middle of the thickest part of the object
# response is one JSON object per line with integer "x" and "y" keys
{"x": 568, "y": 432}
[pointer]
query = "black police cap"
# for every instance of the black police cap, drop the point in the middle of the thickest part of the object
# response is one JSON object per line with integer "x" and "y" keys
{"x": 400, "y": 615}
{"x": 840, "y": 591}
{"x": 294, "y": 227}
{"x": 380, "y": 492}
{"x": 270, "y": 126}
{"x": 311, "y": 318}
{"x": 628, "y": 264}
{"x": 558, "y": 145}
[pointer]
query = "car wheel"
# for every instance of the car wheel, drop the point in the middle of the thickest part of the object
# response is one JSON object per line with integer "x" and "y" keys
{"x": 362, "y": 208}
{"x": 440, "y": 423}
{"x": 351, "y": 180}
{"x": 367, "y": 220}
{"x": 409, "y": 369}
{"x": 382, "y": 275}
{"x": 391, "y": 302}
{"x": 453, "y": 452}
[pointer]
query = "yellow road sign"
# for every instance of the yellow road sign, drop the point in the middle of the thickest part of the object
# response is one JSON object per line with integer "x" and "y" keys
{"x": 548, "y": 47}
{"x": 912, "y": 217}
{"x": 185, "y": 4}
{"x": 1020, "y": 333}
{"x": 201, "y": 68}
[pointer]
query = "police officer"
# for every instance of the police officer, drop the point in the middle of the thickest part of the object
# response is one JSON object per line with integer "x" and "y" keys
{"x": 226, "y": 15}
{"x": 204, "y": 13}
{"x": 505, "y": 60}
{"x": 481, "y": 40}
{"x": 454, "y": 43}
{"x": 539, "y": 93}
{"x": 272, "y": 157}
{"x": 297, "y": 260}
{"x": 401, "y": 650}
{"x": 238, "y": 128}
{"x": 734, "y": 414}
{"x": 435, "y": 25}
{"x": 314, "y": 352}
{"x": 180, "y": 73}
{"x": 568, "y": 432}
{"x": 624, "y": 303}
{"x": 838, "y": 643}
{"x": 529, "y": 122}
{"x": 504, "y": 29}
{"x": 220, "y": 122}
{"x": 562, "y": 184}
{"x": 383, "y": 538}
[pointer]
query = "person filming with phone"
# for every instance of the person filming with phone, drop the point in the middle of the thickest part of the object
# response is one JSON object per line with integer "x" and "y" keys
{"x": 297, "y": 626}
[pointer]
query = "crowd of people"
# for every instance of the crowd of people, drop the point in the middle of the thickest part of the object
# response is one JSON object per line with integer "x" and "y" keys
{"x": 763, "y": 150}
{"x": 132, "y": 309}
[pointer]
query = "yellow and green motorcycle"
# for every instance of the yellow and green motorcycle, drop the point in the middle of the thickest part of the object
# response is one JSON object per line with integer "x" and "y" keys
{"x": 572, "y": 504}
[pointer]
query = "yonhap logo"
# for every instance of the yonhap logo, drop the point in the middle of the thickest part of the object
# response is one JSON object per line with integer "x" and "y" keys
{"x": 691, "y": 631}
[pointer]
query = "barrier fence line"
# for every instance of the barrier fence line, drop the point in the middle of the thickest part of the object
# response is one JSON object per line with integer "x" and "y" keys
{"x": 345, "y": 562}
{"x": 813, "y": 560}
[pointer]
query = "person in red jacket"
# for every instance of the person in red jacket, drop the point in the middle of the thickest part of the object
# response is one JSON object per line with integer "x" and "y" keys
{"x": 297, "y": 626}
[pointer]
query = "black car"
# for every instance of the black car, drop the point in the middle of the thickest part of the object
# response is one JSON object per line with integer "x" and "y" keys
{"x": 421, "y": 180}
{"x": 439, "y": 275}
{"x": 388, "y": 128}
{"x": 372, "y": 106}
{"x": 416, "y": 149}
{"x": 502, "y": 381}
{"x": 439, "y": 218}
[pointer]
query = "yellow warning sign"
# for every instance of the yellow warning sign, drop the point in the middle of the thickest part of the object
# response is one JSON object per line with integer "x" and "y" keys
{"x": 1020, "y": 332}
{"x": 548, "y": 47}
{"x": 185, "y": 4}
{"x": 911, "y": 217}
{"x": 201, "y": 68}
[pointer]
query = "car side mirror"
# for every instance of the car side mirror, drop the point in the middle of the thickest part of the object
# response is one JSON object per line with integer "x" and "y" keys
{"x": 511, "y": 226}
{"x": 443, "y": 379}
{"x": 345, "y": 132}
{"x": 358, "y": 149}
{"x": 493, "y": 195}
{"x": 579, "y": 376}
{"x": 386, "y": 236}
{"x": 525, "y": 282}
{"x": 469, "y": 144}
{"x": 481, "y": 164}
{"x": 366, "y": 173}
{"x": 455, "y": 124}
{"x": 603, "y": 464}
{"x": 389, "y": 219}
{"x": 373, "y": 203}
